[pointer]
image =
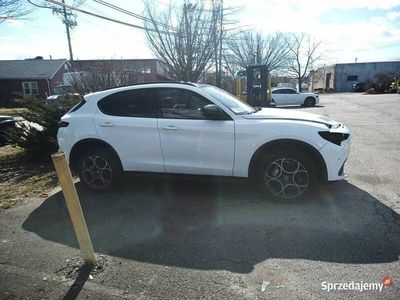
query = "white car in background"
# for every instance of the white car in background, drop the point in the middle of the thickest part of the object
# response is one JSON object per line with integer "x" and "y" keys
{"x": 289, "y": 96}
{"x": 198, "y": 129}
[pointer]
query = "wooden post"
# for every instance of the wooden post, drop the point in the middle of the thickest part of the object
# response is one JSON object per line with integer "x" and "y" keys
{"x": 74, "y": 207}
{"x": 269, "y": 95}
{"x": 238, "y": 87}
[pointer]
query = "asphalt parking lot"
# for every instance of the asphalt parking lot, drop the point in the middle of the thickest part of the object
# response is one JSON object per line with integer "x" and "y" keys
{"x": 184, "y": 238}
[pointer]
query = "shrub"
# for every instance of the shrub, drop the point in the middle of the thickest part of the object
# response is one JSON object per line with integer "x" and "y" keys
{"x": 380, "y": 83}
{"x": 37, "y": 133}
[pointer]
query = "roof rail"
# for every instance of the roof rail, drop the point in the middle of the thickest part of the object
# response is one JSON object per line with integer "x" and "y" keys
{"x": 149, "y": 82}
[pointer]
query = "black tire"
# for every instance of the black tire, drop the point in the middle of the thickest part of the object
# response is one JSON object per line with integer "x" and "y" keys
{"x": 99, "y": 170}
{"x": 278, "y": 178}
{"x": 310, "y": 101}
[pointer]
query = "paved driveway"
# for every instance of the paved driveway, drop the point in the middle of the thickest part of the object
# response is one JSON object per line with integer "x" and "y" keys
{"x": 176, "y": 238}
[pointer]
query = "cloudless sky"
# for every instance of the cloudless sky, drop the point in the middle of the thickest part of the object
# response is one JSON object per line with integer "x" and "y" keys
{"x": 368, "y": 30}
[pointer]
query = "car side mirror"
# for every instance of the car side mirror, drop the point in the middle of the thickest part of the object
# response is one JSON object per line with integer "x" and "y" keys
{"x": 212, "y": 112}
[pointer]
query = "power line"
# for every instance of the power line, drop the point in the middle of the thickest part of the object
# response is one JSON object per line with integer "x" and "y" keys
{"x": 100, "y": 16}
{"x": 113, "y": 19}
{"x": 68, "y": 18}
{"x": 120, "y": 9}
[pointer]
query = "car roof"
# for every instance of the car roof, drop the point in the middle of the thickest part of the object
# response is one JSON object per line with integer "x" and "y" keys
{"x": 152, "y": 82}
{"x": 158, "y": 84}
{"x": 283, "y": 88}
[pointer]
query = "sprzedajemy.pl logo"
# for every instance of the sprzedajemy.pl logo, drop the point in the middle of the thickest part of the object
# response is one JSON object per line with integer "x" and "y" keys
{"x": 357, "y": 285}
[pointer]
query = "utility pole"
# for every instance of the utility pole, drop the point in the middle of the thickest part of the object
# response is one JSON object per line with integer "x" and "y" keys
{"x": 68, "y": 18}
{"x": 68, "y": 23}
{"x": 221, "y": 16}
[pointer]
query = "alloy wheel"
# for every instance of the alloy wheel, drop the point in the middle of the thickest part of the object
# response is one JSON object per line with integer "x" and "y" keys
{"x": 286, "y": 178}
{"x": 96, "y": 172}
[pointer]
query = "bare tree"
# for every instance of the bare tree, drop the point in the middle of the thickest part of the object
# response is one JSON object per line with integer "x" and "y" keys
{"x": 13, "y": 9}
{"x": 183, "y": 38}
{"x": 104, "y": 75}
{"x": 223, "y": 12}
{"x": 230, "y": 64}
{"x": 249, "y": 48}
{"x": 303, "y": 51}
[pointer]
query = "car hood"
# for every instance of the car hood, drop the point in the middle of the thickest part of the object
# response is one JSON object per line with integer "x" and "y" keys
{"x": 285, "y": 114}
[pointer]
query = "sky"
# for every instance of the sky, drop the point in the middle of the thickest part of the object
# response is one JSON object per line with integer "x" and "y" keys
{"x": 368, "y": 30}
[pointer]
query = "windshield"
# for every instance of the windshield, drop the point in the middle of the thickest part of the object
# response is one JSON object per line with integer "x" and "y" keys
{"x": 234, "y": 104}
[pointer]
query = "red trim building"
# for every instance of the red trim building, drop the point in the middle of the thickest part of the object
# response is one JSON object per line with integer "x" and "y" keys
{"x": 30, "y": 77}
{"x": 38, "y": 77}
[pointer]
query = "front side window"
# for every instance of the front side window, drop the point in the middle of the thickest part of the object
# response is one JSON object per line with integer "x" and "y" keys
{"x": 30, "y": 88}
{"x": 290, "y": 91}
{"x": 181, "y": 104}
{"x": 233, "y": 104}
{"x": 133, "y": 103}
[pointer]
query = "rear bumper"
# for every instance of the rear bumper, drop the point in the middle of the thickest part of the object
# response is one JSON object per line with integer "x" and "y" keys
{"x": 63, "y": 144}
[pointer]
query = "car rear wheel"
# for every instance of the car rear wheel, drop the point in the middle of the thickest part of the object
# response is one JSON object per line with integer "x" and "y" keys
{"x": 310, "y": 101}
{"x": 286, "y": 174}
{"x": 99, "y": 169}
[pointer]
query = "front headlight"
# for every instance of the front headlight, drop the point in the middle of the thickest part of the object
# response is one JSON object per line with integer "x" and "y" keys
{"x": 334, "y": 137}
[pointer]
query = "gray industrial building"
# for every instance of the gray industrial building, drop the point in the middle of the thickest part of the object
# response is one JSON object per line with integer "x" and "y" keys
{"x": 341, "y": 77}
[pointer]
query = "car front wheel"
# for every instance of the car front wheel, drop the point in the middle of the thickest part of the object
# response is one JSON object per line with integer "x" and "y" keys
{"x": 287, "y": 174}
{"x": 98, "y": 169}
{"x": 310, "y": 101}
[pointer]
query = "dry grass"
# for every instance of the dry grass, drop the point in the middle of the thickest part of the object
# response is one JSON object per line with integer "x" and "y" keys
{"x": 12, "y": 111}
{"x": 22, "y": 178}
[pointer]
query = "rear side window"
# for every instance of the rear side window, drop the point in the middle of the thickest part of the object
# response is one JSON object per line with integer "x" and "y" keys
{"x": 132, "y": 103}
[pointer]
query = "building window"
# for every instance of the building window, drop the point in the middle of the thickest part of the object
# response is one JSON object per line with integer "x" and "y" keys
{"x": 145, "y": 70}
{"x": 352, "y": 78}
{"x": 30, "y": 88}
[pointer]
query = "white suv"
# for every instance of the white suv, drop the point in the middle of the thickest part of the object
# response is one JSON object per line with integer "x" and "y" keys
{"x": 199, "y": 129}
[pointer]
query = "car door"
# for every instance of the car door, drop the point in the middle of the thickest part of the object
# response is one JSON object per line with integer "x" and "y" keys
{"x": 278, "y": 97}
{"x": 127, "y": 121}
{"x": 291, "y": 97}
{"x": 191, "y": 143}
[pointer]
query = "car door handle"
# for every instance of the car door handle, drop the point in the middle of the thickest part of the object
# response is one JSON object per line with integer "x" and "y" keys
{"x": 170, "y": 128}
{"x": 107, "y": 124}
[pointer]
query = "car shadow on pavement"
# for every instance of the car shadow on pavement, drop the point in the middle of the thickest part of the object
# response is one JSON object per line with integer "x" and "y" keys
{"x": 212, "y": 224}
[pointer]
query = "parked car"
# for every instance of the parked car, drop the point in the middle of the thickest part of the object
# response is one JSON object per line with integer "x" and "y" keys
{"x": 358, "y": 87}
{"x": 199, "y": 129}
{"x": 61, "y": 99}
{"x": 395, "y": 86}
{"x": 6, "y": 122}
{"x": 288, "y": 96}
{"x": 61, "y": 94}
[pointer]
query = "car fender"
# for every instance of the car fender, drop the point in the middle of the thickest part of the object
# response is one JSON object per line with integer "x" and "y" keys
{"x": 267, "y": 131}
